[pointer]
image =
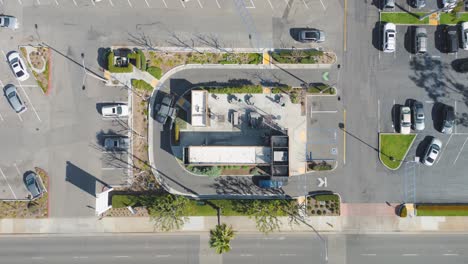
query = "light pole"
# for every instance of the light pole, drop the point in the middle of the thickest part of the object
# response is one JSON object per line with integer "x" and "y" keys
{"x": 84, "y": 72}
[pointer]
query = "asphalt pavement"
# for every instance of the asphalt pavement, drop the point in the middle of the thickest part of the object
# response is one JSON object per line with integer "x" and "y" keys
{"x": 246, "y": 248}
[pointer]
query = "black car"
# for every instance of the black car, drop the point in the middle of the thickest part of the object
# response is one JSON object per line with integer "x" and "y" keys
{"x": 451, "y": 39}
{"x": 460, "y": 65}
{"x": 448, "y": 120}
{"x": 419, "y": 3}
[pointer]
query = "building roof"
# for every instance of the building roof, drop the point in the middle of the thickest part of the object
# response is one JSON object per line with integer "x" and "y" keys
{"x": 228, "y": 155}
{"x": 199, "y": 108}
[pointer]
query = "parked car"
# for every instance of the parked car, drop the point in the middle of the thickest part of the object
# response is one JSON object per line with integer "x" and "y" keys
{"x": 116, "y": 143}
{"x": 449, "y": 4}
{"x": 418, "y": 116}
{"x": 420, "y": 40}
{"x": 18, "y": 66}
{"x": 116, "y": 110}
{"x": 311, "y": 35}
{"x": 464, "y": 35}
{"x": 165, "y": 109}
{"x": 451, "y": 39}
{"x": 270, "y": 184}
{"x": 388, "y": 4}
{"x": 432, "y": 152}
{"x": 405, "y": 120}
{"x": 448, "y": 120}
{"x": 389, "y": 37}
{"x": 8, "y": 22}
{"x": 14, "y": 99}
{"x": 33, "y": 185}
{"x": 419, "y": 3}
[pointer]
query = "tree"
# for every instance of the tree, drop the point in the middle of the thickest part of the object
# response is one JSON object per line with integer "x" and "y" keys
{"x": 220, "y": 238}
{"x": 168, "y": 211}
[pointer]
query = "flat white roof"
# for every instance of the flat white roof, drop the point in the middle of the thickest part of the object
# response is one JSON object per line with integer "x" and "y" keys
{"x": 228, "y": 155}
{"x": 199, "y": 108}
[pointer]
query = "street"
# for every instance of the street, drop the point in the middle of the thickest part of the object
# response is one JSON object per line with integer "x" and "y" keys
{"x": 246, "y": 248}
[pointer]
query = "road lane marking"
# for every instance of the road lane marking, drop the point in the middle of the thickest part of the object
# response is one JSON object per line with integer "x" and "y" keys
{"x": 378, "y": 115}
{"x": 253, "y": 6}
{"x": 325, "y": 112}
{"x": 162, "y": 256}
{"x": 182, "y": 2}
{"x": 19, "y": 1}
{"x": 121, "y": 256}
{"x": 219, "y": 6}
{"x": 324, "y": 8}
{"x": 75, "y": 3}
{"x": 147, "y": 3}
{"x": 11, "y": 189}
{"x": 368, "y": 254}
{"x": 287, "y": 3}
{"x": 80, "y": 257}
{"x": 57, "y": 3}
{"x": 271, "y": 5}
{"x": 287, "y": 254}
{"x": 344, "y": 136}
{"x": 30, "y": 102}
{"x": 306, "y": 5}
{"x": 38, "y": 2}
{"x": 246, "y": 255}
{"x": 409, "y": 255}
{"x": 112, "y": 4}
{"x": 200, "y": 4}
{"x": 130, "y": 3}
{"x": 451, "y": 254}
{"x": 443, "y": 149}
{"x": 17, "y": 169}
{"x": 165, "y": 4}
{"x": 461, "y": 149}
{"x": 92, "y": 2}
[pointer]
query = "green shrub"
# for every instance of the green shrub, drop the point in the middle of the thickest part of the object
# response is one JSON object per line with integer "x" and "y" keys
{"x": 294, "y": 96}
{"x": 296, "y": 56}
{"x": 308, "y": 61}
{"x": 142, "y": 59}
{"x": 141, "y": 85}
{"x": 252, "y": 89}
{"x": 155, "y": 72}
{"x": 326, "y": 197}
{"x": 121, "y": 200}
{"x": 278, "y": 90}
{"x": 137, "y": 58}
{"x": 255, "y": 58}
{"x": 212, "y": 171}
{"x": 112, "y": 68}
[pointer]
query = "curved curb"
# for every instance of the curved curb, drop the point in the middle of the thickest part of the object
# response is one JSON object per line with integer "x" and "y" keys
{"x": 404, "y": 156}
{"x": 179, "y": 68}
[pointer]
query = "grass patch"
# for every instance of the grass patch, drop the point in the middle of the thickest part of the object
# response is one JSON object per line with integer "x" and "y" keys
{"x": 195, "y": 208}
{"x": 141, "y": 85}
{"x": 155, "y": 71}
{"x": 324, "y": 89}
{"x": 449, "y": 18}
{"x": 396, "y": 146}
{"x": 327, "y": 197}
{"x": 403, "y": 18}
{"x": 442, "y": 210}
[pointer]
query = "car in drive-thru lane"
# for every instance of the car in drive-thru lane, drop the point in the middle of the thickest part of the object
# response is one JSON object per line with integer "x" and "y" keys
{"x": 116, "y": 143}
{"x": 420, "y": 40}
{"x": 432, "y": 152}
{"x": 389, "y": 37}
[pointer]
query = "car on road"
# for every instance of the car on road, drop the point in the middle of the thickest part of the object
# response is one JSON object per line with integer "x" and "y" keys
{"x": 418, "y": 116}
{"x": 116, "y": 143}
{"x": 165, "y": 109}
{"x": 18, "y": 66}
{"x": 33, "y": 185}
{"x": 311, "y": 35}
{"x": 419, "y": 3}
{"x": 432, "y": 152}
{"x": 448, "y": 120}
{"x": 8, "y": 22}
{"x": 464, "y": 35}
{"x": 451, "y": 39}
{"x": 405, "y": 120}
{"x": 388, "y": 4}
{"x": 115, "y": 110}
{"x": 389, "y": 37}
{"x": 11, "y": 93}
{"x": 270, "y": 184}
{"x": 420, "y": 40}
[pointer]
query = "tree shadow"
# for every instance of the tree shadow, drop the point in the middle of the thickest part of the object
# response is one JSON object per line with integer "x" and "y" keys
{"x": 396, "y": 111}
{"x": 294, "y": 33}
{"x": 439, "y": 38}
{"x": 377, "y": 34}
{"x": 422, "y": 147}
{"x": 437, "y": 115}
{"x": 409, "y": 39}
{"x": 102, "y": 57}
{"x": 242, "y": 185}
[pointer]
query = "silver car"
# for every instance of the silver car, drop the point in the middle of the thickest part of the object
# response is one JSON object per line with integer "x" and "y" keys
{"x": 432, "y": 152}
{"x": 311, "y": 35}
{"x": 116, "y": 143}
{"x": 420, "y": 40}
{"x": 14, "y": 99}
{"x": 8, "y": 22}
{"x": 418, "y": 116}
{"x": 33, "y": 185}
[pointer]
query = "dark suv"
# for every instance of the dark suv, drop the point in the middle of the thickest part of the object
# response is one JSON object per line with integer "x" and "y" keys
{"x": 451, "y": 39}
{"x": 448, "y": 120}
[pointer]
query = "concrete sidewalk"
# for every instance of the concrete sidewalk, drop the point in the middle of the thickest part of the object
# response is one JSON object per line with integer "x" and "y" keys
{"x": 346, "y": 224}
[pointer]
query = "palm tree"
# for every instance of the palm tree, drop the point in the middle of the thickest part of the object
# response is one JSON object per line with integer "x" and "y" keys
{"x": 220, "y": 238}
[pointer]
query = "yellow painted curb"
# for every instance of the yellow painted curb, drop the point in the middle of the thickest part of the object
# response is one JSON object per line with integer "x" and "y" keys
{"x": 434, "y": 19}
{"x": 266, "y": 90}
{"x": 107, "y": 75}
{"x": 266, "y": 58}
{"x": 302, "y": 136}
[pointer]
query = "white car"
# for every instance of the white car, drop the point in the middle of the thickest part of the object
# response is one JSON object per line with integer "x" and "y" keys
{"x": 389, "y": 37}
{"x": 405, "y": 120}
{"x": 18, "y": 66}
{"x": 8, "y": 22}
{"x": 464, "y": 35}
{"x": 116, "y": 110}
{"x": 432, "y": 152}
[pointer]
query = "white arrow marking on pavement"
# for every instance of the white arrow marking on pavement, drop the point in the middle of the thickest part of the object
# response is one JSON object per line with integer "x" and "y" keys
{"x": 323, "y": 182}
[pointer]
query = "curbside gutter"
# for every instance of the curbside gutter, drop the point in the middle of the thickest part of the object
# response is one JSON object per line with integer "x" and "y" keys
{"x": 404, "y": 157}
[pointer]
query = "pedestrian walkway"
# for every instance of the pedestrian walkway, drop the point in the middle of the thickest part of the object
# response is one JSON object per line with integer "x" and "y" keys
{"x": 126, "y": 78}
{"x": 367, "y": 209}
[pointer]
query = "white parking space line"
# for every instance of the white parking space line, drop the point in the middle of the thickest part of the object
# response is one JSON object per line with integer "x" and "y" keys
{"x": 147, "y": 3}
{"x": 30, "y": 102}
{"x": 92, "y": 2}
{"x": 325, "y": 112}
{"x": 17, "y": 169}
{"x": 306, "y": 5}
{"x": 394, "y": 117}
{"x": 56, "y": 2}
{"x": 451, "y": 254}
{"x": 19, "y": 1}
{"x": 75, "y": 3}
{"x": 217, "y": 2}
{"x": 455, "y": 123}
{"x": 324, "y": 8}
{"x": 165, "y": 4}
{"x": 112, "y": 4}
{"x": 200, "y": 4}
{"x": 38, "y": 2}
{"x": 253, "y": 6}
{"x": 129, "y": 3}
{"x": 378, "y": 116}
{"x": 9, "y": 186}
{"x": 287, "y": 3}
{"x": 111, "y": 168}
{"x": 182, "y": 2}
{"x": 461, "y": 149}
{"x": 271, "y": 5}
{"x": 444, "y": 148}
